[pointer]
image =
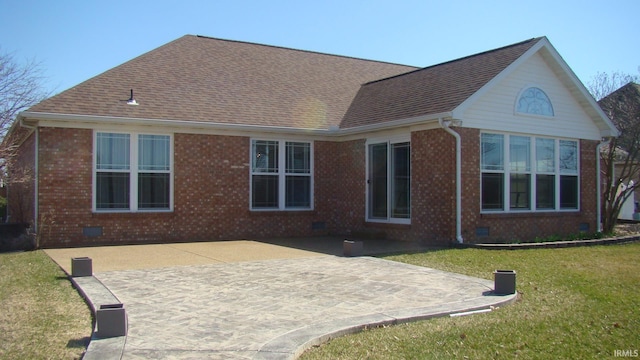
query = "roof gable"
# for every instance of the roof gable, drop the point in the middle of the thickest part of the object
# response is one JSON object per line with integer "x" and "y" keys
{"x": 564, "y": 74}
{"x": 210, "y": 80}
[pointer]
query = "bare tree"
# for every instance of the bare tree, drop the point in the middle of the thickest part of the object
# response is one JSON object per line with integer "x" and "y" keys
{"x": 20, "y": 88}
{"x": 619, "y": 97}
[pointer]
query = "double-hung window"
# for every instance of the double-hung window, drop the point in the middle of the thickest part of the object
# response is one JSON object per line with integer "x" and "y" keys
{"x": 132, "y": 172}
{"x": 522, "y": 173}
{"x": 389, "y": 181}
{"x": 281, "y": 175}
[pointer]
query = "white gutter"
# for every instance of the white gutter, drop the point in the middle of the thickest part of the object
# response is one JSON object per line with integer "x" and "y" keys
{"x": 446, "y": 126}
{"x": 35, "y": 180}
{"x": 598, "y": 185}
{"x": 332, "y": 131}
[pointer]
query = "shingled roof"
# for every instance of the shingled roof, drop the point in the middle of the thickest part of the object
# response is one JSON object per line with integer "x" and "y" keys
{"x": 431, "y": 90}
{"x": 209, "y": 80}
{"x": 215, "y": 81}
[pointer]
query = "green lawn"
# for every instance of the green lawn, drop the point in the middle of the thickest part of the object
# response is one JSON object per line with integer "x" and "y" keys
{"x": 575, "y": 303}
{"x": 42, "y": 316}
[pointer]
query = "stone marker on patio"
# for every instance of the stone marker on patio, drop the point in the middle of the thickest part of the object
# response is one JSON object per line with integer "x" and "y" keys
{"x": 352, "y": 248}
{"x": 111, "y": 321}
{"x": 81, "y": 266}
{"x": 504, "y": 282}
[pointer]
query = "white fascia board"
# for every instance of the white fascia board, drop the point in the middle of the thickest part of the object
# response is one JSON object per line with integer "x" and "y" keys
{"x": 108, "y": 120}
{"x": 93, "y": 121}
{"x": 392, "y": 124}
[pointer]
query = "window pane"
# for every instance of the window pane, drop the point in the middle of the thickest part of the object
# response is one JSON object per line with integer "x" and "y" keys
{"x": 568, "y": 192}
{"x": 492, "y": 191}
{"x": 378, "y": 181}
{"x": 545, "y": 192}
{"x": 401, "y": 181}
{"x": 153, "y": 152}
{"x": 265, "y": 156}
{"x": 545, "y": 155}
{"x": 520, "y": 191}
{"x": 112, "y": 190}
{"x": 153, "y": 191}
{"x": 298, "y": 157}
{"x": 519, "y": 153}
{"x": 568, "y": 157}
{"x": 298, "y": 191}
{"x": 112, "y": 151}
{"x": 265, "y": 191}
{"x": 535, "y": 101}
{"x": 492, "y": 152}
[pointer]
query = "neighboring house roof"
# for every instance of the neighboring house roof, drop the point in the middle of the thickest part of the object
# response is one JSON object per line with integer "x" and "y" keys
{"x": 203, "y": 79}
{"x": 431, "y": 90}
{"x": 623, "y": 105}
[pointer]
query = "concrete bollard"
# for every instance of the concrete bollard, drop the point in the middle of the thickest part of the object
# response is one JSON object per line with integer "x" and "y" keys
{"x": 81, "y": 266}
{"x": 111, "y": 321}
{"x": 504, "y": 282}
{"x": 352, "y": 248}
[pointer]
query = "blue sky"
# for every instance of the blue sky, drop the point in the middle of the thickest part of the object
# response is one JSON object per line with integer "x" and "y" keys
{"x": 76, "y": 40}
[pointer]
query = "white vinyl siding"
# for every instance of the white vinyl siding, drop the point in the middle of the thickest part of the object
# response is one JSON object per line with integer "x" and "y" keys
{"x": 495, "y": 109}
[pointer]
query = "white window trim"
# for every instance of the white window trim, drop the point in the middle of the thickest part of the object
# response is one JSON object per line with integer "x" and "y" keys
{"x": 389, "y": 141}
{"x": 282, "y": 175}
{"x": 133, "y": 171}
{"x": 533, "y": 172}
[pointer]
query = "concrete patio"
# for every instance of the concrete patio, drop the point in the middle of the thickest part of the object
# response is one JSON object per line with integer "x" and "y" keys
{"x": 259, "y": 300}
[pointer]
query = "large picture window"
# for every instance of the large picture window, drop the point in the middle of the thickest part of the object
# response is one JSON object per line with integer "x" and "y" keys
{"x": 522, "y": 173}
{"x": 281, "y": 175}
{"x": 389, "y": 181}
{"x": 132, "y": 172}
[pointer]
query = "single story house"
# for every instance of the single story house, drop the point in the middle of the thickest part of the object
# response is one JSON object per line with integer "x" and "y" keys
{"x": 208, "y": 139}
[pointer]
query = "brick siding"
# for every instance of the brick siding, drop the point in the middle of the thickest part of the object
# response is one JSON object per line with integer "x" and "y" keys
{"x": 211, "y": 194}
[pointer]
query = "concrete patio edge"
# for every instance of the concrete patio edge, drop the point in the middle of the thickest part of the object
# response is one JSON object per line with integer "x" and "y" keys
{"x": 95, "y": 294}
{"x": 292, "y": 344}
{"x": 552, "y": 244}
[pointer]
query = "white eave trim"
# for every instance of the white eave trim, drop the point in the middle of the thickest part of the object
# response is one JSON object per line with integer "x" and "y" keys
{"x": 49, "y": 119}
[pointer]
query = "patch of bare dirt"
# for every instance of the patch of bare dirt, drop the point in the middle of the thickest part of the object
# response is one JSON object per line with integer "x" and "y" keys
{"x": 625, "y": 229}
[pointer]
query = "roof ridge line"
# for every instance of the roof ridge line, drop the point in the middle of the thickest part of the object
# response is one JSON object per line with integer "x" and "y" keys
{"x": 306, "y": 51}
{"x": 455, "y": 60}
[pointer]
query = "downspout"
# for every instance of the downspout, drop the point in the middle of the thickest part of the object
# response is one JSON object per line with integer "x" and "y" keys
{"x": 446, "y": 126}
{"x": 35, "y": 180}
{"x": 603, "y": 143}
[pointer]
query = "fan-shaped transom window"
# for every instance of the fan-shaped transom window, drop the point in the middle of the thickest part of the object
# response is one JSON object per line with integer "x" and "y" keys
{"x": 534, "y": 101}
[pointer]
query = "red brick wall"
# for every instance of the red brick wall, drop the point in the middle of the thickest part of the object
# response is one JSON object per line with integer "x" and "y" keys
{"x": 348, "y": 188}
{"x": 64, "y": 184}
{"x": 432, "y": 191}
{"x": 211, "y": 195}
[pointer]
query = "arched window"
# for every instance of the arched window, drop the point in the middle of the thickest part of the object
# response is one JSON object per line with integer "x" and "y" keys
{"x": 534, "y": 101}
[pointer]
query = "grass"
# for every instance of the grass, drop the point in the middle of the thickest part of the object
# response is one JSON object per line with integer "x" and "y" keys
{"x": 575, "y": 303}
{"x": 42, "y": 316}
